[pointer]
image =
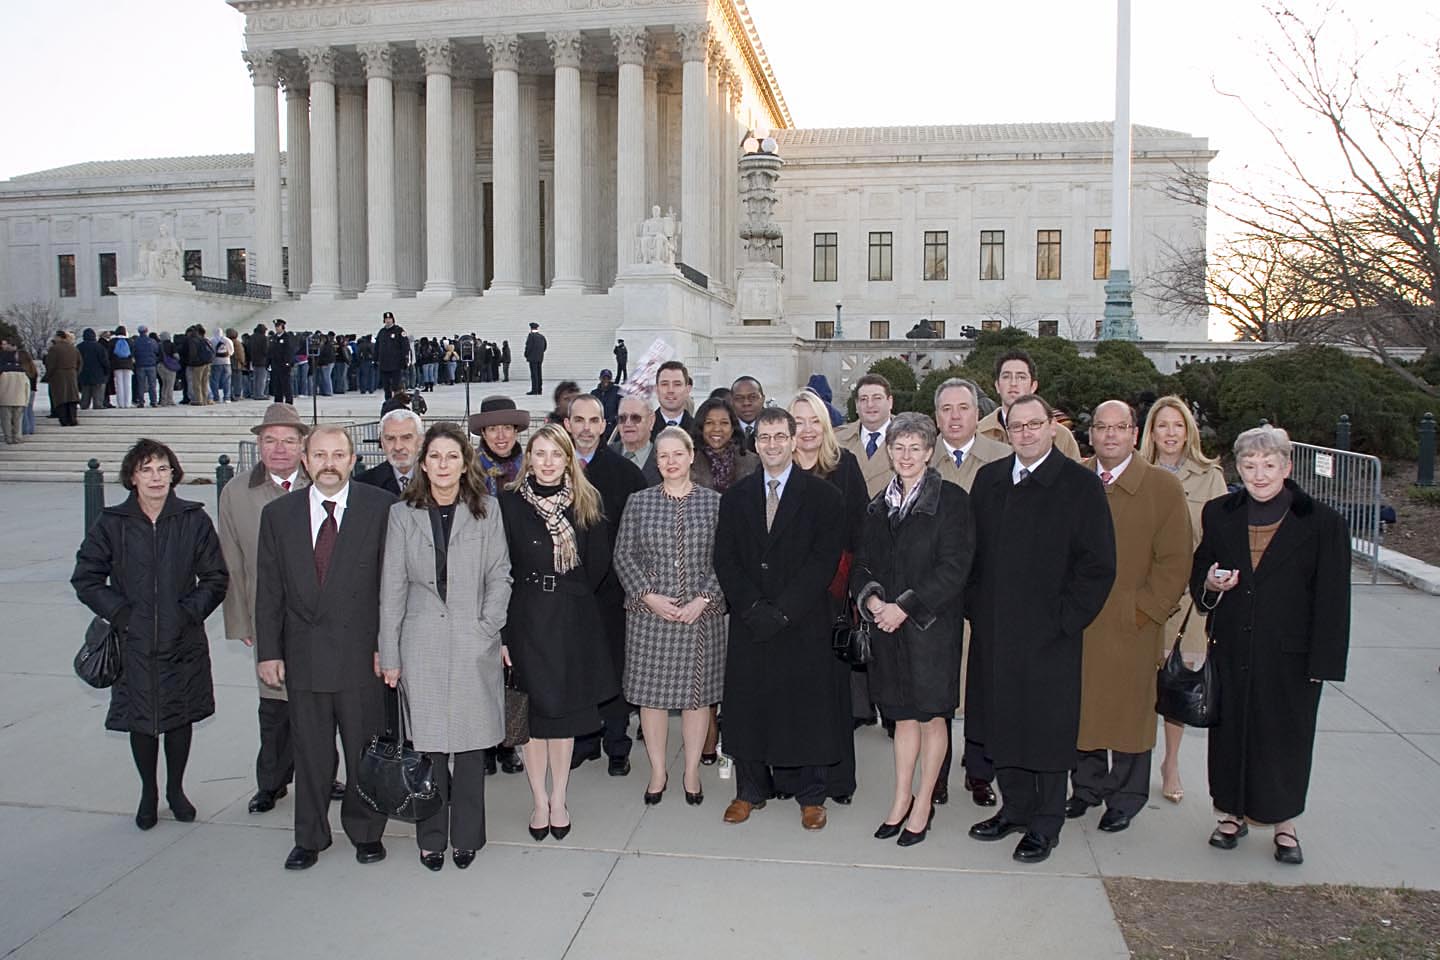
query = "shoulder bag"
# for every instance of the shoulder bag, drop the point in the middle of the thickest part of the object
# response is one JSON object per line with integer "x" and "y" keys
{"x": 850, "y": 637}
{"x": 1182, "y": 695}
{"x": 517, "y": 712}
{"x": 394, "y": 778}
{"x": 99, "y": 662}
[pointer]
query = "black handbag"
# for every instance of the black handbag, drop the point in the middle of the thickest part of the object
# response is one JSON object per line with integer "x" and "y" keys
{"x": 1182, "y": 695}
{"x": 98, "y": 661}
{"x": 517, "y": 713}
{"x": 394, "y": 778}
{"x": 850, "y": 639}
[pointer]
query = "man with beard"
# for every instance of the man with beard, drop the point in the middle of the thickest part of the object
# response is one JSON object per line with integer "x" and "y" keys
{"x": 401, "y": 432}
{"x": 616, "y": 478}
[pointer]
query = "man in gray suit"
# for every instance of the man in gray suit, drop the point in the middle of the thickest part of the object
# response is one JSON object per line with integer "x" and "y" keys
{"x": 317, "y": 622}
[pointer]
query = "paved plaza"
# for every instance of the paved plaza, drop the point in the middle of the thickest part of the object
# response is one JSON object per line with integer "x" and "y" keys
{"x": 77, "y": 879}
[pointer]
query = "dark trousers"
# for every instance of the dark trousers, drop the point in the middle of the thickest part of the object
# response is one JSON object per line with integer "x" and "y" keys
{"x": 615, "y": 717}
{"x": 281, "y": 386}
{"x": 620, "y": 374}
{"x": 275, "y": 763}
{"x": 756, "y": 782}
{"x": 506, "y": 365}
{"x": 840, "y": 777}
{"x": 535, "y": 378}
{"x": 68, "y": 414}
{"x": 393, "y": 382}
{"x": 1033, "y": 797}
{"x": 314, "y": 719}
{"x": 461, "y": 822}
{"x": 976, "y": 762}
{"x": 1119, "y": 780}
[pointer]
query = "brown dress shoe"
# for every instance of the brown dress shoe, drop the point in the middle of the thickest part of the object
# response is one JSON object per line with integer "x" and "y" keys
{"x": 812, "y": 818}
{"x": 739, "y": 810}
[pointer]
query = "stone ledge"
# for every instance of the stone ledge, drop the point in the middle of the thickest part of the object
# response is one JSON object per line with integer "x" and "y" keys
{"x": 1414, "y": 573}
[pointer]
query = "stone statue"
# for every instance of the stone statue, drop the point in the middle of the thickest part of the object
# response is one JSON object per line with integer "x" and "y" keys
{"x": 657, "y": 237}
{"x": 159, "y": 259}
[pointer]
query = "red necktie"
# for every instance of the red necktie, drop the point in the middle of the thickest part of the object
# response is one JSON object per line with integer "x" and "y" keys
{"x": 1106, "y": 476}
{"x": 325, "y": 541}
{"x": 285, "y": 485}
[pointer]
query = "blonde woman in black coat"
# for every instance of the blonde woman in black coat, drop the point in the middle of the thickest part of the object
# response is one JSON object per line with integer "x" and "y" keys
{"x": 152, "y": 567}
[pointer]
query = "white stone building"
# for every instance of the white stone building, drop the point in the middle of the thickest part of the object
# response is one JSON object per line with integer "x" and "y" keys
{"x": 474, "y": 164}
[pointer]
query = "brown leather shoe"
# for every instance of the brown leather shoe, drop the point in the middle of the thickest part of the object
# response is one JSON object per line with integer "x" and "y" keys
{"x": 739, "y": 810}
{"x": 812, "y": 818}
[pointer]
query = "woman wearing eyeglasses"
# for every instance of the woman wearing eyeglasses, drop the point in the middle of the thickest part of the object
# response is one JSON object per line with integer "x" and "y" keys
{"x": 152, "y": 567}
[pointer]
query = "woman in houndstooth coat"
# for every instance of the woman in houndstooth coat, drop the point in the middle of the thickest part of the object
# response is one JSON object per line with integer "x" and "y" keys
{"x": 675, "y": 635}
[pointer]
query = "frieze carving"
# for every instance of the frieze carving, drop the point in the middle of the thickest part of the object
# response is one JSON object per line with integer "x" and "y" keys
{"x": 438, "y": 53}
{"x": 567, "y": 49}
{"x": 694, "y": 40}
{"x": 379, "y": 60}
{"x": 504, "y": 50}
{"x": 631, "y": 44}
{"x": 320, "y": 63}
{"x": 263, "y": 66}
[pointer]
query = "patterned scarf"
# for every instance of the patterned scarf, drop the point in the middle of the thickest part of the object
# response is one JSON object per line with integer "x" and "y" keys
{"x": 899, "y": 503}
{"x": 722, "y": 465}
{"x": 552, "y": 510}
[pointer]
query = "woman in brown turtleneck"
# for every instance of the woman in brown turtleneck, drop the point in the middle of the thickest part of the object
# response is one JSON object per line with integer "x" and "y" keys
{"x": 1273, "y": 567}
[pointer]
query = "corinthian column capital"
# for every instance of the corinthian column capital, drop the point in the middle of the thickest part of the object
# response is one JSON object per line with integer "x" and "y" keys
{"x": 504, "y": 50}
{"x": 379, "y": 60}
{"x": 566, "y": 48}
{"x": 631, "y": 44}
{"x": 694, "y": 40}
{"x": 264, "y": 67}
{"x": 320, "y": 62}
{"x": 438, "y": 54}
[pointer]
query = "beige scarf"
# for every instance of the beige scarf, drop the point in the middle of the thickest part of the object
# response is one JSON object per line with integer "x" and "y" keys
{"x": 552, "y": 511}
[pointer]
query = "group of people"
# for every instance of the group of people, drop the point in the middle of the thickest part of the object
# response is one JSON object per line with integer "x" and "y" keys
{"x": 705, "y": 563}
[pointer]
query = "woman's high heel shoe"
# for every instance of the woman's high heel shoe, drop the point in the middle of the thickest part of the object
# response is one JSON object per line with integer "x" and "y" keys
{"x": 709, "y": 759}
{"x": 432, "y": 861}
{"x": 539, "y": 833}
{"x": 696, "y": 798}
{"x": 908, "y": 839}
{"x": 559, "y": 833}
{"x": 887, "y": 830}
{"x": 653, "y": 798}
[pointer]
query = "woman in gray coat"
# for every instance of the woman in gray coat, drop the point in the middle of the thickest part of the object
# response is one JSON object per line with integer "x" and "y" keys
{"x": 444, "y": 593}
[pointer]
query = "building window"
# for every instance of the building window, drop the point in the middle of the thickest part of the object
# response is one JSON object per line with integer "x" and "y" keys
{"x": 780, "y": 253}
{"x": 825, "y": 329}
{"x": 937, "y": 255}
{"x": 1097, "y": 330}
{"x": 66, "y": 265}
{"x": 827, "y": 258}
{"x": 1047, "y": 254}
{"x": 1102, "y": 255}
{"x": 992, "y": 254}
{"x": 194, "y": 264}
{"x": 108, "y": 276}
{"x": 285, "y": 268}
{"x": 879, "y": 329}
{"x": 989, "y": 326}
{"x": 1049, "y": 328}
{"x": 235, "y": 265}
{"x": 881, "y": 256}
{"x": 939, "y": 327}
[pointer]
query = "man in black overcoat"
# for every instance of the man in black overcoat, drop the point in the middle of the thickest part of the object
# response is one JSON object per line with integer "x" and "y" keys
{"x": 280, "y": 352}
{"x": 317, "y": 620}
{"x": 1044, "y": 565}
{"x": 616, "y": 478}
{"x": 777, "y": 544}
{"x": 392, "y": 355}
{"x": 535, "y": 357}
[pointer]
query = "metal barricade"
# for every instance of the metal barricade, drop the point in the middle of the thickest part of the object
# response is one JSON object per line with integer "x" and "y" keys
{"x": 365, "y": 436}
{"x": 1349, "y": 483}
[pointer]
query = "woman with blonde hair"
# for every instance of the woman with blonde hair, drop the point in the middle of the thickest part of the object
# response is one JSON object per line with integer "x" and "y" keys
{"x": 559, "y": 554}
{"x": 1171, "y": 440}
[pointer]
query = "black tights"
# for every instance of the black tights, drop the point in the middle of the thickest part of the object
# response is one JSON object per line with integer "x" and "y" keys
{"x": 146, "y": 750}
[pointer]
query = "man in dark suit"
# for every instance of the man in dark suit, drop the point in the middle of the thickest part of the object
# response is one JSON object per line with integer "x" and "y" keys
{"x": 748, "y": 399}
{"x": 392, "y": 355}
{"x": 777, "y": 544}
{"x": 317, "y": 619}
{"x": 280, "y": 352}
{"x": 616, "y": 478}
{"x": 1044, "y": 564}
{"x": 401, "y": 432}
{"x": 672, "y": 391}
{"x": 535, "y": 356}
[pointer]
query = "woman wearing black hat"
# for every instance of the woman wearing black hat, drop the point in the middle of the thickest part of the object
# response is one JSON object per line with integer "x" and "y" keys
{"x": 497, "y": 425}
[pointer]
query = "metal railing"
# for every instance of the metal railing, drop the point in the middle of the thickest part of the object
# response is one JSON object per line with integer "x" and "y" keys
{"x": 1350, "y": 484}
{"x": 230, "y": 288}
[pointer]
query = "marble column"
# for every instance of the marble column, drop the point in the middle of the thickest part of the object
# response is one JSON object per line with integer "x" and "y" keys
{"x": 297, "y": 173}
{"x": 439, "y": 57}
{"x": 714, "y": 69}
{"x": 695, "y": 147}
{"x": 462, "y": 160}
{"x": 566, "y": 50}
{"x": 324, "y": 185}
{"x": 409, "y": 174}
{"x": 736, "y": 133}
{"x": 380, "y": 170}
{"x": 504, "y": 52}
{"x": 268, "y": 233}
{"x": 630, "y": 48}
{"x": 532, "y": 257}
{"x": 724, "y": 163}
{"x": 590, "y": 182}
{"x": 652, "y": 137}
{"x": 351, "y": 157}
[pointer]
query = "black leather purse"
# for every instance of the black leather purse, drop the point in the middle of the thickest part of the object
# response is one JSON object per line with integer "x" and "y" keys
{"x": 98, "y": 661}
{"x": 1182, "y": 695}
{"x": 517, "y": 712}
{"x": 850, "y": 638}
{"x": 394, "y": 778}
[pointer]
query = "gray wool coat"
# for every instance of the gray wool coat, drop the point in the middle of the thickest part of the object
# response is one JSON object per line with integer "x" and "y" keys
{"x": 447, "y": 651}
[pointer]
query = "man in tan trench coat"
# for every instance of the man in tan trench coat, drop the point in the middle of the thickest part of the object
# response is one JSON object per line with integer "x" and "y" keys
{"x": 1152, "y": 561}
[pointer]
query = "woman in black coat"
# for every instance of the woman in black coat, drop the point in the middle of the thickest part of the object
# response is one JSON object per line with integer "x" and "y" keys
{"x": 152, "y": 567}
{"x": 559, "y": 554}
{"x": 1273, "y": 567}
{"x": 909, "y": 579}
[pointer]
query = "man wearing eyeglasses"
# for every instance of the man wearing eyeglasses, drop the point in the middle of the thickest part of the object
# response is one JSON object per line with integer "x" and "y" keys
{"x": 777, "y": 543}
{"x": 1117, "y": 699}
{"x": 1044, "y": 564}
{"x": 1014, "y": 378}
{"x": 632, "y": 437}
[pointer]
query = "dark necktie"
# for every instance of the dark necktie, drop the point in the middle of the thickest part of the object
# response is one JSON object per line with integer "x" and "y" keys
{"x": 1107, "y": 477}
{"x": 1022, "y": 475}
{"x": 404, "y": 482}
{"x": 285, "y": 485}
{"x": 325, "y": 541}
{"x": 873, "y": 444}
{"x": 959, "y": 457}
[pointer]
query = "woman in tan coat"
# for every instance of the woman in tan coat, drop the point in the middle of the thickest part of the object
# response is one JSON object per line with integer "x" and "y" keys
{"x": 1172, "y": 441}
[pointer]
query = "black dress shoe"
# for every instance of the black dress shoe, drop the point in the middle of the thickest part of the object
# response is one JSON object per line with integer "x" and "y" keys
{"x": 539, "y": 833}
{"x": 148, "y": 813}
{"x": 784, "y": 796}
{"x": 887, "y": 830}
{"x": 845, "y": 799}
{"x": 1075, "y": 807}
{"x": 372, "y": 852}
{"x": 1288, "y": 853}
{"x": 337, "y": 790}
{"x": 1034, "y": 848}
{"x": 489, "y": 758}
{"x": 181, "y": 806}
{"x": 560, "y": 833}
{"x": 996, "y": 828}
{"x": 510, "y": 762}
{"x": 619, "y": 767}
{"x": 301, "y": 858}
{"x": 580, "y": 758}
{"x": 709, "y": 759}
{"x": 909, "y": 839}
{"x": 654, "y": 797}
{"x": 941, "y": 794}
{"x": 1113, "y": 821}
{"x": 463, "y": 858}
{"x": 981, "y": 792}
{"x": 433, "y": 861}
{"x": 696, "y": 798}
{"x": 264, "y": 800}
{"x": 1222, "y": 839}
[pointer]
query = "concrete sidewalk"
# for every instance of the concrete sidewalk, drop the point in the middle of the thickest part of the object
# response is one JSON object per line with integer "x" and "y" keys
{"x": 77, "y": 879}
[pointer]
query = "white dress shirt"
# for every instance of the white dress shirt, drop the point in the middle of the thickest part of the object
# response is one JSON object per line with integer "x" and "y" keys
{"x": 280, "y": 481}
{"x": 1115, "y": 473}
{"x": 1018, "y": 466}
{"x": 950, "y": 451}
{"x": 317, "y": 511}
